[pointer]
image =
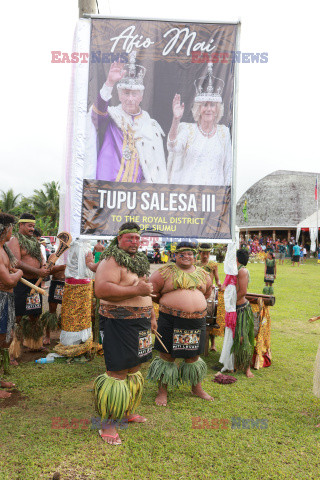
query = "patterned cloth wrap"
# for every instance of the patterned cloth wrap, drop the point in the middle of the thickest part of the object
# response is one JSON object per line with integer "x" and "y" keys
{"x": 125, "y": 312}
{"x": 76, "y": 307}
{"x": 180, "y": 313}
{"x": 262, "y": 350}
{"x": 24, "y": 302}
{"x": 7, "y": 315}
{"x": 56, "y": 291}
{"x": 184, "y": 335}
{"x": 126, "y": 334}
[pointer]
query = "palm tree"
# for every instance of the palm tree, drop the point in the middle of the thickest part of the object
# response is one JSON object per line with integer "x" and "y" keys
{"x": 46, "y": 202}
{"x": 8, "y": 201}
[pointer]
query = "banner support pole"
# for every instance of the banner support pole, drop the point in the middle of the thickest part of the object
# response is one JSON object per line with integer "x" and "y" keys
{"x": 234, "y": 137}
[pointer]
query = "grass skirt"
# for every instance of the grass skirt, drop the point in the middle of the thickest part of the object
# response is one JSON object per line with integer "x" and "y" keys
{"x": 116, "y": 398}
{"x": 243, "y": 352}
{"x": 165, "y": 372}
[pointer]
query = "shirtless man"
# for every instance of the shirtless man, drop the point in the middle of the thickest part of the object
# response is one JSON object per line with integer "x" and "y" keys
{"x": 8, "y": 280}
{"x": 26, "y": 249}
{"x": 181, "y": 290}
{"x": 126, "y": 320}
{"x": 243, "y": 343}
{"x": 55, "y": 298}
{"x": 212, "y": 268}
{"x": 97, "y": 250}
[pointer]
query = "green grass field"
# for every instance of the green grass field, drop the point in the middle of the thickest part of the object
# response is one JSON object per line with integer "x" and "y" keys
{"x": 167, "y": 447}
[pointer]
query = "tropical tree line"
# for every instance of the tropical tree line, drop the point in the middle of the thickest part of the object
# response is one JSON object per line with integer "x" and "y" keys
{"x": 43, "y": 204}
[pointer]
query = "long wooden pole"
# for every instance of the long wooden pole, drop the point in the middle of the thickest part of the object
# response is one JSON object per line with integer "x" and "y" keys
{"x": 34, "y": 287}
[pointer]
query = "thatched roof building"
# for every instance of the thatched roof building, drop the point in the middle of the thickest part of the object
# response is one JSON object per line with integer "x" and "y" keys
{"x": 278, "y": 203}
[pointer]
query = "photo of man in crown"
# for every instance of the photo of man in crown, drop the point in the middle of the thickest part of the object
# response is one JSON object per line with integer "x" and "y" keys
{"x": 131, "y": 144}
{"x": 200, "y": 153}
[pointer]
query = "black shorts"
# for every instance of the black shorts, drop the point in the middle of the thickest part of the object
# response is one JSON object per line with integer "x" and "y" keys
{"x": 296, "y": 258}
{"x": 56, "y": 291}
{"x": 24, "y": 303}
{"x": 126, "y": 342}
{"x": 4, "y": 316}
{"x": 183, "y": 337}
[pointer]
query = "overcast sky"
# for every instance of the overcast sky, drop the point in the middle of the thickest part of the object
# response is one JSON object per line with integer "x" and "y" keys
{"x": 278, "y": 101}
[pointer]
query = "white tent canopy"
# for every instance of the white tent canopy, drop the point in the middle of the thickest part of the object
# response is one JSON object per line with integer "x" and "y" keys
{"x": 311, "y": 222}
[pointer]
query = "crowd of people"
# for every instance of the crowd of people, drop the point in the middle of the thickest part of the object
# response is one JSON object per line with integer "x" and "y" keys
{"x": 280, "y": 248}
{"x": 126, "y": 297}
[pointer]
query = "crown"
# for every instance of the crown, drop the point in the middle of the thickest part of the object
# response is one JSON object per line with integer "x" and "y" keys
{"x": 133, "y": 79}
{"x": 209, "y": 88}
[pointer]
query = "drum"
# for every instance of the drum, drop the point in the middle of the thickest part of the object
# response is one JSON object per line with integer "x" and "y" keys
{"x": 212, "y": 305}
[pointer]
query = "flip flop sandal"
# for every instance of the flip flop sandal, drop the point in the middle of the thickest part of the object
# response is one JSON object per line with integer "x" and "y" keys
{"x": 132, "y": 419}
{"x": 114, "y": 437}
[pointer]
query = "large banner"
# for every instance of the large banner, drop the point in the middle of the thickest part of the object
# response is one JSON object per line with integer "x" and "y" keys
{"x": 159, "y": 128}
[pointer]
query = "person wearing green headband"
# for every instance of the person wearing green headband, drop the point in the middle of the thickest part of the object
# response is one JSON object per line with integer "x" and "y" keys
{"x": 181, "y": 290}
{"x": 26, "y": 248}
{"x": 126, "y": 320}
{"x": 9, "y": 277}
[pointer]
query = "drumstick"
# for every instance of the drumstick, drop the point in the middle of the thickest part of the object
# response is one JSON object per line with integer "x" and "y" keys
{"x": 33, "y": 286}
{"x": 160, "y": 341}
{"x": 313, "y": 319}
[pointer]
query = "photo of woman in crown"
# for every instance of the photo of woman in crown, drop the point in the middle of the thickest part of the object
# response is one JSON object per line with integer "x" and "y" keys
{"x": 200, "y": 153}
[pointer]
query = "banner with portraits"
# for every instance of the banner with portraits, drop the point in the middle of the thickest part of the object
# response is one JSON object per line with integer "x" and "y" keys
{"x": 153, "y": 134}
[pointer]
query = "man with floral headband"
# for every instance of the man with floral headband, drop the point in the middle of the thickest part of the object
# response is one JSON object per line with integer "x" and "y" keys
{"x": 126, "y": 320}
{"x": 9, "y": 277}
{"x": 26, "y": 249}
{"x": 181, "y": 290}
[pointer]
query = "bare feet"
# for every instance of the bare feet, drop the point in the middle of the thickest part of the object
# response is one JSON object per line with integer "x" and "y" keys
{"x": 213, "y": 348}
{"x": 5, "y": 394}
{"x": 46, "y": 341}
{"x": 135, "y": 418}
{"x": 199, "y": 392}
{"x": 249, "y": 374}
{"x": 40, "y": 349}
{"x": 161, "y": 398}
{"x": 14, "y": 362}
{"x": 110, "y": 435}
{"x": 6, "y": 384}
